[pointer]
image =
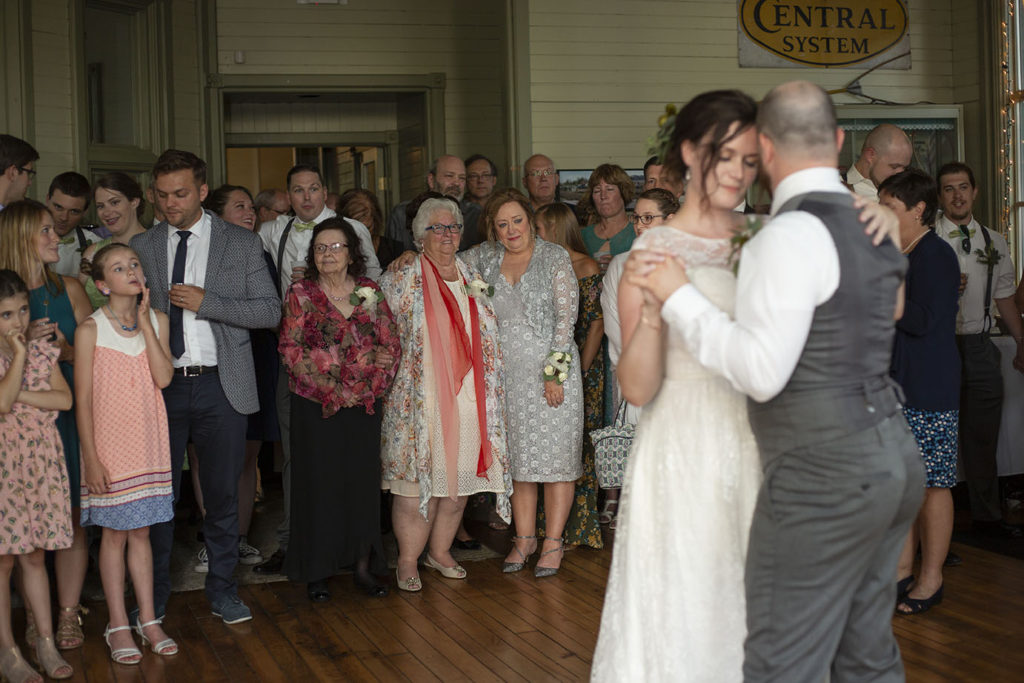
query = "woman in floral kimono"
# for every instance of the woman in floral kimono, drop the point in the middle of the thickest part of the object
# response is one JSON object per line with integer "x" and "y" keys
{"x": 444, "y": 421}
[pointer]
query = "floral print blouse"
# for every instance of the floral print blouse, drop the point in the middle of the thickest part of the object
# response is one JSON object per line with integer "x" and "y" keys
{"x": 330, "y": 358}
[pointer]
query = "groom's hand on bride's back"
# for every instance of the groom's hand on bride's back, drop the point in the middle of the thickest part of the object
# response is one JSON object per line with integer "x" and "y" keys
{"x": 657, "y": 273}
{"x": 879, "y": 221}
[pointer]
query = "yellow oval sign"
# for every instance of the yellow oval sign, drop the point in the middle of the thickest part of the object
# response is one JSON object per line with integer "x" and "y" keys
{"x": 837, "y": 33}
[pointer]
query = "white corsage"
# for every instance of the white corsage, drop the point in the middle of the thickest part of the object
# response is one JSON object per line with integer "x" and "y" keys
{"x": 479, "y": 289}
{"x": 364, "y": 296}
{"x": 557, "y": 366}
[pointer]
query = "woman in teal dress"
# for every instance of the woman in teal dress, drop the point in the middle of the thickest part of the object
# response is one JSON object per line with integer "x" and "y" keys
{"x": 28, "y": 244}
{"x": 609, "y": 191}
{"x": 119, "y": 206}
{"x": 556, "y": 223}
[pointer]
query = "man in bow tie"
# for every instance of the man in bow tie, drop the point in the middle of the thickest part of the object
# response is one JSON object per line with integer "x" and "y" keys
{"x": 986, "y": 266}
{"x": 287, "y": 240}
{"x": 67, "y": 199}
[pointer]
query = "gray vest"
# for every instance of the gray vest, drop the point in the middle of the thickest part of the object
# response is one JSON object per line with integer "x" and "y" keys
{"x": 841, "y": 383}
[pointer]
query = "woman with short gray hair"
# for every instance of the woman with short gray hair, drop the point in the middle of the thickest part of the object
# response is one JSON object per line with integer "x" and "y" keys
{"x": 443, "y": 436}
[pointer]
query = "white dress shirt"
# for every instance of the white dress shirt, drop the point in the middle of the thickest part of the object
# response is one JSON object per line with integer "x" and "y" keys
{"x": 970, "y": 319}
{"x": 861, "y": 186}
{"x": 70, "y": 252}
{"x": 200, "y": 345}
{"x": 788, "y": 269}
{"x": 297, "y": 246}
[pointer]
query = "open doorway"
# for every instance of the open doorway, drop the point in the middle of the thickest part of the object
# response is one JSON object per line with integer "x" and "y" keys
{"x": 344, "y": 167}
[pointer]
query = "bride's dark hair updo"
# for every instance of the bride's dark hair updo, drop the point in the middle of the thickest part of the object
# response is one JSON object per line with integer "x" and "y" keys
{"x": 711, "y": 113}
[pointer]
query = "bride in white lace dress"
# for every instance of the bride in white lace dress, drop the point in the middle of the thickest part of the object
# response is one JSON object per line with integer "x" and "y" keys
{"x": 674, "y": 607}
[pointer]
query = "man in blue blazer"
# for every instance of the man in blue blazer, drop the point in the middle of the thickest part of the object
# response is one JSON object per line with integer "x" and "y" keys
{"x": 211, "y": 279}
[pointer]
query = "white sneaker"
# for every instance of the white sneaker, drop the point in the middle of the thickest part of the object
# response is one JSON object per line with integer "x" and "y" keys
{"x": 247, "y": 554}
{"x": 203, "y": 562}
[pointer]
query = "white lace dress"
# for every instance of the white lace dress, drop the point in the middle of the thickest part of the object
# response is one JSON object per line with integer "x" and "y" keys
{"x": 675, "y": 608}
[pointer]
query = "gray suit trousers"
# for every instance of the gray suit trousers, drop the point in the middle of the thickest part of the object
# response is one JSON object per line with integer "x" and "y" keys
{"x": 821, "y": 568}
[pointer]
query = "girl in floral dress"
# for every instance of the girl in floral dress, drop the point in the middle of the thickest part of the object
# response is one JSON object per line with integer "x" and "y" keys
{"x": 122, "y": 361}
{"x": 35, "y": 507}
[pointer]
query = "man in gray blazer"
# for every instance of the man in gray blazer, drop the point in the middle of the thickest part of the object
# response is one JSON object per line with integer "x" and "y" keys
{"x": 211, "y": 280}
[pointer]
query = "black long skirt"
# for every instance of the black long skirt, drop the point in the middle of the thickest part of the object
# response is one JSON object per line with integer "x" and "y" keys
{"x": 335, "y": 497}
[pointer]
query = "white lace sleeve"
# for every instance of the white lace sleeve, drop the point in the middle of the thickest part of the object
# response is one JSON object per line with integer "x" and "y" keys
{"x": 566, "y": 293}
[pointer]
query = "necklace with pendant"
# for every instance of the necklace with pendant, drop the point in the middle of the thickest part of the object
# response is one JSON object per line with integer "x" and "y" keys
{"x": 123, "y": 326}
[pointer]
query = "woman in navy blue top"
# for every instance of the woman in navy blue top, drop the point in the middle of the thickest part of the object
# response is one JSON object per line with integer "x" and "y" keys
{"x": 926, "y": 364}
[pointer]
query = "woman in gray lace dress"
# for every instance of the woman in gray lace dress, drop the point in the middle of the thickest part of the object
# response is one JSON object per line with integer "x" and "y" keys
{"x": 535, "y": 299}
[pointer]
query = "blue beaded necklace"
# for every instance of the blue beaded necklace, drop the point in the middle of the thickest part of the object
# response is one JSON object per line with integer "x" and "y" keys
{"x": 123, "y": 326}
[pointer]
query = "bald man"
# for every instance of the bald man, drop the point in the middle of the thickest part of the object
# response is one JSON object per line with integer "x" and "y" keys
{"x": 810, "y": 344}
{"x": 447, "y": 175}
{"x": 886, "y": 151}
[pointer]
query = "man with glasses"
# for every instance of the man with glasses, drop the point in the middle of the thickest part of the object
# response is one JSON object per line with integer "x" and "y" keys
{"x": 17, "y": 168}
{"x": 447, "y": 175}
{"x": 540, "y": 178}
{"x": 481, "y": 177}
{"x": 986, "y": 266}
{"x": 67, "y": 199}
{"x": 269, "y": 204}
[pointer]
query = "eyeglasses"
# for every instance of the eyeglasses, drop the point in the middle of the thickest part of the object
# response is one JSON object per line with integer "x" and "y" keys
{"x": 30, "y": 171}
{"x": 647, "y": 219}
{"x": 480, "y": 176}
{"x": 442, "y": 229}
{"x": 333, "y": 248}
{"x": 542, "y": 173}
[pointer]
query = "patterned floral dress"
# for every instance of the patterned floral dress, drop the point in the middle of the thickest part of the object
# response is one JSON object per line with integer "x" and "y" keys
{"x": 35, "y": 508}
{"x": 582, "y": 527}
{"x": 131, "y": 434}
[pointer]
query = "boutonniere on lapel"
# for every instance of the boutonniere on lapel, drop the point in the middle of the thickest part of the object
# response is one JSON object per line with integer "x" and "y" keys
{"x": 752, "y": 225}
{"x": 989, "y": 256}
{"x": 364, "y": 296}
{"x": 479, "y": 289}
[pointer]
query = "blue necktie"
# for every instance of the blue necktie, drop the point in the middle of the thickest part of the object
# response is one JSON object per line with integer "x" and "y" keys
{"x": 178, "y": 276}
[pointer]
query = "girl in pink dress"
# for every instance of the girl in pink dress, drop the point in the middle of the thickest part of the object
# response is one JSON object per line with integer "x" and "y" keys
{"x": 122, "y": 361}
{"x": 35, "y": 502}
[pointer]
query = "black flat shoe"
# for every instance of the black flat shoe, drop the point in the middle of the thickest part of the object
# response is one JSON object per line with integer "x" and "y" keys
{"x": 273, "y": 564}
{"x": 952, "y": 560}
{"x": 471, "y": 544}
{"x": 317, "y": 591}
{"x": 916, "y": 606}
{"x": 374, "y": 590}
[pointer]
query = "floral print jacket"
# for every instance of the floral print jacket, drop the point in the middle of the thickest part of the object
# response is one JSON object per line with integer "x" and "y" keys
{"x": 405, "y": 443}
{"x": 330, "y": 358}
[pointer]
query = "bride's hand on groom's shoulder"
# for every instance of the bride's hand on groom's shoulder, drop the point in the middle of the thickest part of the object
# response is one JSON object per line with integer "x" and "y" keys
{"x": 658, "y": 273}
{"x": 879, "y": 221}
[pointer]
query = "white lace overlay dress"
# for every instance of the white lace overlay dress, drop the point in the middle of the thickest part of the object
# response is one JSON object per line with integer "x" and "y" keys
{"x": 675, "y": 608}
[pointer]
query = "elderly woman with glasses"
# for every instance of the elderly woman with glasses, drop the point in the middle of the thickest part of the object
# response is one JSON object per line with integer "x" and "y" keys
{"x": 340, "y": 345}
{"x": 444, "y": 420}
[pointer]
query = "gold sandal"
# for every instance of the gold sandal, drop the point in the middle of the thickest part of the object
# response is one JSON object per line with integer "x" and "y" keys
{"x": 31, "y": 633}
{"x": 69, "y": 627}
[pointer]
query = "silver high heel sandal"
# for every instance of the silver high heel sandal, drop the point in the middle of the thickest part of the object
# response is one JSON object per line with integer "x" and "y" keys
{"x": 541, "y": 572}
{"x": 512, "y": 567}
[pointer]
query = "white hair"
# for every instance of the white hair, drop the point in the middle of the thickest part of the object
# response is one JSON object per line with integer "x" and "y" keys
{"x": 428, "y": 209}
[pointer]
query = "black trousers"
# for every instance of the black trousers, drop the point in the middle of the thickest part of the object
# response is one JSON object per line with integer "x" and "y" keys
{"x": 981, "y": 408}
{"x": 198, "y": 409}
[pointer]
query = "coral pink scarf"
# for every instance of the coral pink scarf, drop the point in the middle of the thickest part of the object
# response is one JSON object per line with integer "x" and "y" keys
{"x": 453, "y": 353}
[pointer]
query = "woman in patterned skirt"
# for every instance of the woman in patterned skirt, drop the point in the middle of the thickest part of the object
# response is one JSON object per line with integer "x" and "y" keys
{"x": 926, "y": 363}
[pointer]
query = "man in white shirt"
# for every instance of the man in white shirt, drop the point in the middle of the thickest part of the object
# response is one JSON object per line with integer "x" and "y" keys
{"x": 990, "y": 279}
{"x": 210, "y": 278}
{"x": 843, "y": 476}
{"x": 287, "y": 240}
{"x": 67, "y": 199}
{"x": 886, "y": 151}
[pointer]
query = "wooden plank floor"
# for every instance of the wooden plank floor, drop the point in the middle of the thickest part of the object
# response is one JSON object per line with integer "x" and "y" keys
{"x": 494, "y": 626}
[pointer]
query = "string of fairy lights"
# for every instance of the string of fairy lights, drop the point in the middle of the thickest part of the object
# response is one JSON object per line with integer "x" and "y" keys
{"x": 1007, "y": 124}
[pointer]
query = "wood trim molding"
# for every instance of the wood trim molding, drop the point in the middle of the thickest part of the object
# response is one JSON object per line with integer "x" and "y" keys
{"x": 16, "y": 110}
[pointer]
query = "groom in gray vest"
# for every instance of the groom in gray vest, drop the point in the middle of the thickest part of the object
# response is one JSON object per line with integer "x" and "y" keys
{"x": 816, "y": 305}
